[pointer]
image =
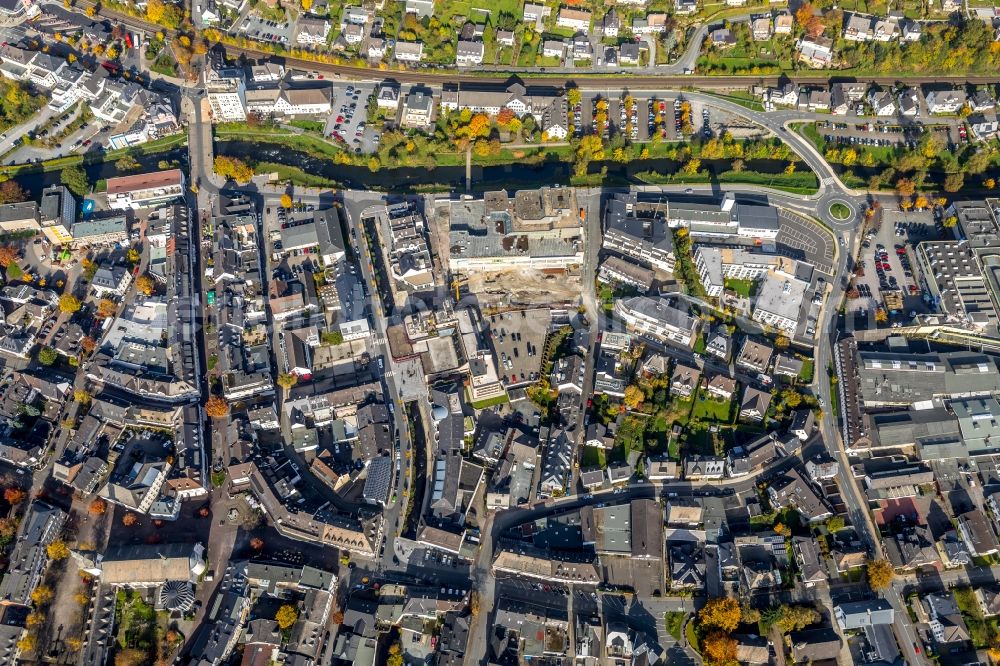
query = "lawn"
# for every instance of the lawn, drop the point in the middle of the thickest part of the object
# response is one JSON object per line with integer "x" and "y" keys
{"x": 707, "y": 408}
{"x": 490, "y": 402}
{"x": 745, "y": 288}
{"x": 806, "y": 374}
{"x": 674, "y": 622}
{"x": 593, "y": 456}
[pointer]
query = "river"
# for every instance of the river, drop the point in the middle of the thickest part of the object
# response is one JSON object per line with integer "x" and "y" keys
{"x": 509, "y": 176}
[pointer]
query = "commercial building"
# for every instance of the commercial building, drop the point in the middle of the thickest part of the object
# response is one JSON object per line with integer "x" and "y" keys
{"x": 638, "y": 230}
{"x": 20, "y": 216}
{"x": 889, "y": 378}
{"x": 99, "y": 231}
{"x": 145, "y": 189}
{"x": 226, "y": 91}
{"x": 57, "y": 214}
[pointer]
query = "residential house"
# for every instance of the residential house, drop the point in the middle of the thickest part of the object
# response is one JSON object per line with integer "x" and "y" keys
{"x": 881, "y": 101}
{"x": 761, "y": 28}
{"x": 409, "y": 51}
{"x": 989, "y": 601}
{"x": 803, "y": 424}
{"x": 853, "y": 615}
{"x": 754, "y": 405}
{"x": 977, "y": 533}
{"x": 816, "y": 52}
{"x": 574, "y": 19}
{"x": 783, "y": 24}
{"x": 754, "y": 356}
{"x": 553, "y": 48}
{"x": 719, "y": 343}
{"x": 536, "y": 14}
{"x": 505, "y": 38}
{"x": 787, "y": 366}
{"x": 469, "y": 54}
{"x": 418, "y": 111}
{"x": 945, "y": 101}
{"x": 722, "y": 38}
{"x": 844, "y": 96}
{"x": 312, "y": 31}
{"x": 792, "y": 490}
{"x": 629, "y": 53}
{"x": 811, "y": 646}
{"x": 597, "y": 435}
{"x": 722, "y": 387}
{"x": 704, "y": 467}
{"x": 658, "y": 318}
{"x": 387, "y": 97}
{"x": 684, "y": 380}
{"x": 611, "y": 24}
{"x": 982, "y": 101}
{"x": 909, "y": 103}
{"x": 111, "y": 281}
{"x": 685, "y": 7}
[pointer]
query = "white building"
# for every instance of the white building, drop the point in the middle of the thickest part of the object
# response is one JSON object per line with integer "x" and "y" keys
{"x": 409, "y": 51}
{"x": 226, "y": 90}
{"x": 657, "y": 318}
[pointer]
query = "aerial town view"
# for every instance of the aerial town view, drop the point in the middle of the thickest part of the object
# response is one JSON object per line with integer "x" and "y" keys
{"x": 499, "y": 332}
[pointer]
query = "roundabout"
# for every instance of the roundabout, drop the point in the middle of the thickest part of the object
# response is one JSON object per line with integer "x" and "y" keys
{"x": 839, "y": 211}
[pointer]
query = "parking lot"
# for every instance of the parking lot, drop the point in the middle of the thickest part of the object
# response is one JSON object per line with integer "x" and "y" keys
{"x": 348, "y": 122}
{"x": 805, "y": 240}
{"x": 886, "y": 133}
{"x": 888, "y": 260}
{"x": 519, "y": 340}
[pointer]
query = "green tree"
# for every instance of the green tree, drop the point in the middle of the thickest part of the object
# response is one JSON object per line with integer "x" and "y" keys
{"x": 75, "y": 178}
{"x": 127, "y": 163}
{"x": 47, "y": 356}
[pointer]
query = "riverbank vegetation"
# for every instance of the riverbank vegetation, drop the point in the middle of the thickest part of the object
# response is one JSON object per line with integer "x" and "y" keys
{"x": 930, "y": 162}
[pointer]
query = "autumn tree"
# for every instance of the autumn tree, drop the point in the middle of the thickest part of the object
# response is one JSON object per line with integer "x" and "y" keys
{"x": 633, "y": 397}
{"x": 782, "y": 529}
{"x": 953, "y": 182}
{"x": 880, "y": 574}
{"x": 69, "y": 303}
{"x": 835, "y": 524}
{"x": 144, "y": 284}
{"x": 106, "y": 308}
{"x": 287, "y": 380}
{"x": 130, "y": 519}
{"x": 905, "y": 187}
{"x": 720, "y": 613}
{"x": 57, "y": 550}
{"x": 131, "y": 657}
{"x": 97, "y": 507}
{"x": 216, "y": 407}
{"x": 286, "y": 616}
{"x": 14, "y": 495}
{"x": 35, "y": 618}
{"x": 27, "y": 644}
{"x": 257, "y": 543}
{"x": 132, "y": 256}
{"x": 782, "y": 342}
{"x": 8, "y": 255}
{"x": 88, "y": 344}
{"x": 233, "y": 169}
{"x": 42, "y": 595}
{"x": 11, "y": 192}
{"x": 881, "y": 316}
{"x": 286, "y": 200}
{"x": 74, "y": 643}
{"x": 718, "y": 649}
